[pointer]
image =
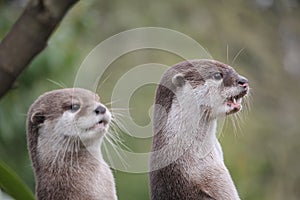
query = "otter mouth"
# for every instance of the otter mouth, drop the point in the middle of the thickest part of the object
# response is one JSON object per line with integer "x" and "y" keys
{"x": 100, "y": 125}
{"x": 235, "y": 102}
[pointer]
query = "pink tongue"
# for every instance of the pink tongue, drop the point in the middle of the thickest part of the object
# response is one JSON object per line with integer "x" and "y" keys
{"x": 237, "y": 106}
{"x": 100, "y": 125}
{"x": 234, "y": 105}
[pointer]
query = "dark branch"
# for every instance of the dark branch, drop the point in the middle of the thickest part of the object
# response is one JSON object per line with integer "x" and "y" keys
{"x": 28, "y": 37}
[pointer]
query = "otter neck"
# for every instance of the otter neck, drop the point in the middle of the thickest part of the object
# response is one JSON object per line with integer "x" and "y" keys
{"x": 67, "y": 152}
{"x": 190, "y": 123}
{"x": 187, "y": 130}
{"x": 190, "y": 118}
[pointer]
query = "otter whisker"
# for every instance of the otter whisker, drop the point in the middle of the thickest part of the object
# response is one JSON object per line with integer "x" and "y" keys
{"x": 220, "y": 127}
{"x": 247, "y": 105}
{"x": 248, "y": 100}
{"x": 114, "y": 139}
{"x": 105, "y": 79}
{"x": 70, "y": 151}
{"x": 119, "y": 109}
{"x": 238, "y": 120}
{"x": 120, "y": 114}
{"x": 236, "y": 123}
{"x": 108, "y": 154}
{"x": 54, "y": 161}
{"x": 118, "y": 141}
{"x": 241, "y": 115}
{"x": 233, "y": 124}
{"x": 225, "y": 126}
{"x": 74, "y": 151}
{"x": 114, "y": 134}
{"x": 227, "y": 53}
{"x": 77, "y": 150}
{"x": 118, "y": 122}
{"x": 235, "y": 57}
{"x": 111, "y": 102}
{"x": 76, "y": 145}
{"x": 65, "y": 150}
{"x": 59, "y": 84}
{"x": 123, "y": 161}
{"x": 117, "y": 117}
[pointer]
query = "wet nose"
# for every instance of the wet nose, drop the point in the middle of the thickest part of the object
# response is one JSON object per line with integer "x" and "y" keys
{"x": 242, "y": 81}
{"x": 100, "y": 110}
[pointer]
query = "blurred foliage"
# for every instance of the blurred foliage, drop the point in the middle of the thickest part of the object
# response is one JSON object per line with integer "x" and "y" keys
{"x": 262, "y": 155}
{"x": 12, "y": 184}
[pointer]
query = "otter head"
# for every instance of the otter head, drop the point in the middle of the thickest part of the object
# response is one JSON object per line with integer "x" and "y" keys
{"x": 215, "y": 88}
{"x": 60, "y": 117}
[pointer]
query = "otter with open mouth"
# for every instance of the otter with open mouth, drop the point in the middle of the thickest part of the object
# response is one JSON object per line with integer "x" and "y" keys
{"x": 187, "y": 159}
{"x": 65, "y": 129}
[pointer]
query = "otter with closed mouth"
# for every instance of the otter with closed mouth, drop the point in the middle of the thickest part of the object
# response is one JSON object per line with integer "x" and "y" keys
{"x": 65, "y": 129}
{"x": 187, "y": 159}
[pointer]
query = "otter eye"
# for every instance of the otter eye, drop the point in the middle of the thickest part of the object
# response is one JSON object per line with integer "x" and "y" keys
{"x": 74, "y": 107}
{"x": 218, "y": 76}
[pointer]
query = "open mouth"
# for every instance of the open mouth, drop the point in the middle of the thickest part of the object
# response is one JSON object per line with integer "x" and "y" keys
{"x": 101, "y": 124}
{"x": 235, "y": 103}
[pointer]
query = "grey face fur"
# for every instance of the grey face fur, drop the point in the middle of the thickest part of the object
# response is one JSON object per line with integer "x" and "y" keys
{"x": 65, "y": 130}
{"x": 187, "y": 159}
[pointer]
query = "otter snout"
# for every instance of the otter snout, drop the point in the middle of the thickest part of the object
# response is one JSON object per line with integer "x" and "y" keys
{"x": 243, "y": 82}
{"x": 100, "y": 110}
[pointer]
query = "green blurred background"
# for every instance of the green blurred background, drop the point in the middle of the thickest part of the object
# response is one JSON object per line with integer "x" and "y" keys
{"x": 262, "y": 155}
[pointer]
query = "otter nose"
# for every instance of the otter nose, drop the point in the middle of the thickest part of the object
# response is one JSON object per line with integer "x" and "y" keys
{"x": 100, "y": 110}
{"x": 242, "y": 81}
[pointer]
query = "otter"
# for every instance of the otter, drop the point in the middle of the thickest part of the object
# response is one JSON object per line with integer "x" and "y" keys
{"x": 65, "y": 129}
{"x": 187, "y": 159}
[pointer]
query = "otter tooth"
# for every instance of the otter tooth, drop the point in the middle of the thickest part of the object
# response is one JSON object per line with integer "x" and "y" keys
{"x": 239, "y": 100}
{"x": 234, "y": 100}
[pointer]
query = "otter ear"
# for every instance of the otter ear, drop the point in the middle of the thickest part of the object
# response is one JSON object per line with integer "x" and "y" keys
{"x": 37, "y": 118}
{"x": 178, "y": 80}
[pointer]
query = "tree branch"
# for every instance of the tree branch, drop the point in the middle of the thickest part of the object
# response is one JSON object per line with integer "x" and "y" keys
{"x": 28, "y": 37}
